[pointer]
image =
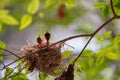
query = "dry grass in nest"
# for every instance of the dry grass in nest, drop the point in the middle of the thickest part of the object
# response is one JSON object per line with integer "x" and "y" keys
{"x": 45, "y": 59}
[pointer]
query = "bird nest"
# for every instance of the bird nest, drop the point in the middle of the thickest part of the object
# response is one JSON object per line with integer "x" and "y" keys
{"x": 46, "y": 59}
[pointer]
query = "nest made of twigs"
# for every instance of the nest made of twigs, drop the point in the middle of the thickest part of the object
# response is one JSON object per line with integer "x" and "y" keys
{"x": 45, "y": 59}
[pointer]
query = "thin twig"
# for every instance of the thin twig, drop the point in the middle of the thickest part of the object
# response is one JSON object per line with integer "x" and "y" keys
{"x": 13, "y": 62}
{"x": 9, "y": 75}
{"x": 2, "y": 63}
{"x": 94, "y": 33}
{"x": 69, "y": 38}
{"x": 10, "y": 52}
{"x": 112, "y": 8}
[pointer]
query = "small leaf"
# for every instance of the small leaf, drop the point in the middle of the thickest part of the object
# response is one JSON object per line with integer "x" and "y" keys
{"x": 3, "y": 12}
{"x": 8, "y": 19}
{"x": 87, "y": 53}
{"x": 43, "y": 76}
{"x": 105, "y": 11}
{"x": 1, "y": 58}
{"x": 2, "y": 45}
{"x": 117, "y": 6}
{"x": 91, "y": 61}
{"x": 33, "y": 6}
{"x": 70, "y": 3}
{"x": 19, "y": 67}
{"x": 100, "y": 60}
{"x": 0, "y": 27}
{"x": 99, "y": 5}
{"x": 8, "y": 71}
{"x": 83, "y": 62}
{"x": 101, "y": 53}
{"x": 72, "y": 59}
{"x": 27, "y": 70}
{"x": 41, "y": 14}
{"x": 21, "y": 76}
{"x": 112, "y": 56}
{"x": 25, "y": 21}
{"x": 48, "y": 3}
{"x": 116, "y": 40}
{"x": 67, "y": 53}
{"x": 105, "y": 36}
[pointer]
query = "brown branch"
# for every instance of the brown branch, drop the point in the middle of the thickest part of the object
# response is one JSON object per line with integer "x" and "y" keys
{"x": 69, "y": 38}
{"x": 94, "y": 33}
{"x": 9, "y": 75}
{"x": 103, "y": 25}
{"x": 10, "y": 52}
{"x": 2, "y": 63}
{"x": 112, "y": 8}
{"x": 13, "y": 62}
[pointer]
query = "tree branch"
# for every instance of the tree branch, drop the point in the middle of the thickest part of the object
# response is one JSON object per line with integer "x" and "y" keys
{"x": 93, "y": 34}
{"x": 69, "y": 38}
{"x": 112, "y": 8}
{"x": 10, "y": 52}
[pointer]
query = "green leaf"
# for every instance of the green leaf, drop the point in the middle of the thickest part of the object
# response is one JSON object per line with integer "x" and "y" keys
{"x": 112, "y": 56}
{"x": 19, "y": 67}
{"x": 72, "y": 59}
{"x": 8, "y": 19}
{"x": 117, "y": 6}
{"x": 8, "y": 71}
{"x": 3, "y": 12}
{"x": 0, "y": 27}
{"x": 105, "y": 11}
{"x": 101, "y": 53}
{"x": 105, "y": 36}
{"x": 21, "y": 76}
{"x": 33, "y": 6}
{"x": 99, "y": 5}
{"x": 48, "y": 3}
{"x": 91, "y": 61}
{"x": 100, "y": 57}
{"x": 5, "y": 79}
{"x": 25, "y": 21}
{"x": 70, "y": 3}
{"x": 87, "y": 53}
{"x": 100, "y": 60}
{"x": 41, "y": 14}
{"x": 67, "y": 53}
{"x": 43, "y": 76}
{"x": 2, "y": 45}
{"x": 27, "y": 70}
{"x": 116, "y": 40}
{"x": 83, "y": 62}
{"x": 1, "y": 58}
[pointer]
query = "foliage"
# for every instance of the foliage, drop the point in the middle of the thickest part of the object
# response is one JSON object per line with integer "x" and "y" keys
{"x": 2, "y": 45}
{"x": 67, "y": 53}
{"x": 92, "y": 64}
{"x": 100, "y": 65}
{"x": 35, "y": 11}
